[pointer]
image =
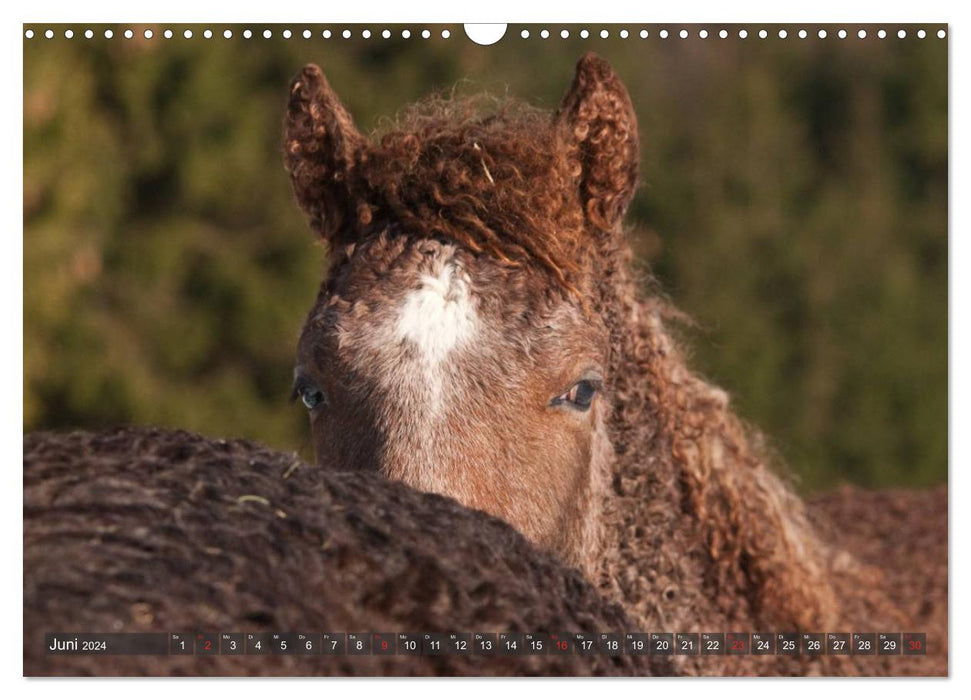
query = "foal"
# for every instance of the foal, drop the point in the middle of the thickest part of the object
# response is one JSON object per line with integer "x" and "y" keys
{"x": 480, "y": 333}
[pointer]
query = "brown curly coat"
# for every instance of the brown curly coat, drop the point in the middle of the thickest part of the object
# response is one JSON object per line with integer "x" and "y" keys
{"x": 149, "y": 530}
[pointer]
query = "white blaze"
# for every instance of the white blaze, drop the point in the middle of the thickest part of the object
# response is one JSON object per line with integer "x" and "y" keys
{"x": 439, "y": 316}
{"x": 435, "y": 319}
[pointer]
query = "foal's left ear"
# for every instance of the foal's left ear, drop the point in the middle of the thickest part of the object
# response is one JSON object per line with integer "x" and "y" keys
{"x": 599, "y": 117}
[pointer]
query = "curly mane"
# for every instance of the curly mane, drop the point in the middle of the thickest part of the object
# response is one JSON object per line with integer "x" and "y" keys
{"x": 677, "y": 440}
{"x": 462, "y": 169}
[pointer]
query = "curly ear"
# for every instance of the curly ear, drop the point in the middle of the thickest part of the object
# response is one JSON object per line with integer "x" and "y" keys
{"x": 320, "y": 150}
{"x": 599, "y": 117}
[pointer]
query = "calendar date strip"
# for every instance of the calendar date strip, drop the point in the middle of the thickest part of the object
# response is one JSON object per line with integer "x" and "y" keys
{"x": 487, "y": 643}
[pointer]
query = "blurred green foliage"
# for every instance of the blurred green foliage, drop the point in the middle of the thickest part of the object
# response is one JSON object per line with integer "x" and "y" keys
{"x": 795, "y": 204}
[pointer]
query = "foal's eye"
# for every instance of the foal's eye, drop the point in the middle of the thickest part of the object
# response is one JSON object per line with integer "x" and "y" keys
{"x": 308, "y": 393}
{"x": 580, "y": 395}
{"x": 311, "y": 397}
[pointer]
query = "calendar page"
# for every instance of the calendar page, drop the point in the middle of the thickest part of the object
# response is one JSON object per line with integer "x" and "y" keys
{"x": 554, "y": 349}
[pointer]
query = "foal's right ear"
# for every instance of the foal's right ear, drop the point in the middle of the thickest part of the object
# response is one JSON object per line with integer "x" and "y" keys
{"x": 320, "y": 150}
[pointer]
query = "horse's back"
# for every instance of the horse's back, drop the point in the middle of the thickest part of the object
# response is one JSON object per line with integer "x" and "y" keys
{"x": 153, "y": 531}
{"x": 903, "y": 534}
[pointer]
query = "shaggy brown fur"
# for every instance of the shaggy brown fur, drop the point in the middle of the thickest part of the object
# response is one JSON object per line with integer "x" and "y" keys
{"x": 904, "y": 535}
{"x": 144, "y": 530}
{"x": 473, "y": 182}
{"x": 740, "y": 550}
{"x": 694, "y": 529}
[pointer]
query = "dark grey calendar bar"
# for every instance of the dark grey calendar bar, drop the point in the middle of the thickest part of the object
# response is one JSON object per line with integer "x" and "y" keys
{"x": 487, "y": 643}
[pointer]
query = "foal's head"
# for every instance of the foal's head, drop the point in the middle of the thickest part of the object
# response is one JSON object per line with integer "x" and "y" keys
{"x": 458, "y": 341}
